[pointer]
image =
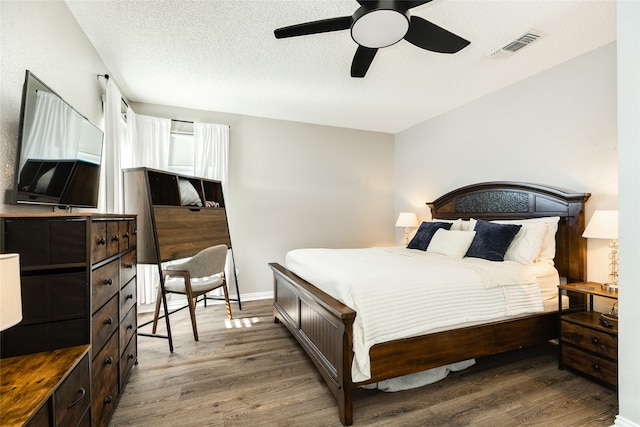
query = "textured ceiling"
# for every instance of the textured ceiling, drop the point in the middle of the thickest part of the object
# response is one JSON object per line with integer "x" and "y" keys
{"x": 222, "y": 56}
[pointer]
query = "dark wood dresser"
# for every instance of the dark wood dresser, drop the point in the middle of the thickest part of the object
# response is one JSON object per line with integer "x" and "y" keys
{"x": 78, "y": 276}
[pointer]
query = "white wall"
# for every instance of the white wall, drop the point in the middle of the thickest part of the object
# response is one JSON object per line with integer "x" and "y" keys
{"x": 557, "y": 128}
{"x": 294, "y": 185}
{"x": 629, "y": 125}
{"x": 42, "y": 36}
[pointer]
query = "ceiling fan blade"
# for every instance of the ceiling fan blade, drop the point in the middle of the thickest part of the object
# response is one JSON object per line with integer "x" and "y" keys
{"x": 314, "y": 27}
{"x": 401, "y": 4}
{"x": 415, "y": 3}
{"x": 429, "y": 36}
{"x": 362, "y": 60}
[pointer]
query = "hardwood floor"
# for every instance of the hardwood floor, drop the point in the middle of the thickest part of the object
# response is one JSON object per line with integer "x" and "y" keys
{"x": 250, "y": 372}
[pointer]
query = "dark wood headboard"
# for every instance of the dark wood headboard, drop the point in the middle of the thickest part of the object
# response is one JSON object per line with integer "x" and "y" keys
{"x": 516, "y": 200}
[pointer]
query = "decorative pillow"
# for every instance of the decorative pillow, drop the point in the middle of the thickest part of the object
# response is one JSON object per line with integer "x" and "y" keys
{"x": 425, "y": 234}
{"x": 548, "y": 250}
{"x": 43, "y": 182}
{"x": 526, "y": 246}
{"x": 188, "y": 194}
{"x": 492, "y": 240}
{"x": 451, "y": 243}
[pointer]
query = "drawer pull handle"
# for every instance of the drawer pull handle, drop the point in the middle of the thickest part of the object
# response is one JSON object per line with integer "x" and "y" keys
{"x": 130, "y": 296}
{"x": 596, "y": 366}
{"x": 595, "y": 340}
{"x": 135, "y": 232}
{"x": 108, "y": 282}
{"x": 128, "y": 265}
{"x": 115, "y": 238}
{"x": 126, "y": 235}
{"x": 108, "y": 399}
{"x": 108, "y": 360}
{"x": 130, "y": 326}
{"x": 109, "y": 321}
{"x": 102, "y": 241}
{"x": 130, "y": 356}
{"x": 81, "y": 394}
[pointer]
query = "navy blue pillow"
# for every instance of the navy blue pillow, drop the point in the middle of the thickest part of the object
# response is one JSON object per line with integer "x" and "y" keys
{"x": 425, "y": 234}
{"x": 492, "y": 240}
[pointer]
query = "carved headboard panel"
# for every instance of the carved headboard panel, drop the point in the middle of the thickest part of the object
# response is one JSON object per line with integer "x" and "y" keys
{"x": 515, "y": 200}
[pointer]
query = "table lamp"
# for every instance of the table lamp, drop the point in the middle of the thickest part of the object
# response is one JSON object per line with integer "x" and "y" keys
{"x": 10, "y": 301}
{"x": 604, "y": 225}
{"x": 407, "y": 220}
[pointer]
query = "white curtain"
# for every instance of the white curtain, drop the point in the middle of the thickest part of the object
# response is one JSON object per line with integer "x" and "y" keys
{"x": 112, "y": 192}
{"x": 211, "y": 160}
{"x": 211, "y": 151}
{"x": 148, "y": 141}
{"x": 55, "y": 122}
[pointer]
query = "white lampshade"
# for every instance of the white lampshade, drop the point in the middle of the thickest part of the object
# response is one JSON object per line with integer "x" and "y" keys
{"x": 10, "y": 301}
{"x": 407, "y": 219}
{"x": 603, "y": 225}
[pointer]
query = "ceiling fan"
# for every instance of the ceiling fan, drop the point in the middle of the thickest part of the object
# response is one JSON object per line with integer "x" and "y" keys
{"x": 381, "y": 23}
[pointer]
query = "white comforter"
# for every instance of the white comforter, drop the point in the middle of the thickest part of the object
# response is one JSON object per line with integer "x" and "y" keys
{"x": 398, "y": 292}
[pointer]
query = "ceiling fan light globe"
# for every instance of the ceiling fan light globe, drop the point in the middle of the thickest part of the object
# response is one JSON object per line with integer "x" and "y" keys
{"x": 379, "y": 28}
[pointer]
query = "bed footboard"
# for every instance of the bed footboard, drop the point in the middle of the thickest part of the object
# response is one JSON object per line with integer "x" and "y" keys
{"x": 323, "y": 327}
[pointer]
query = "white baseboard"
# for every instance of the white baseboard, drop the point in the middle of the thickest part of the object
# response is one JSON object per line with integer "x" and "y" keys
{"x": 623, "y": 422}
{"x": 178, "y": 301}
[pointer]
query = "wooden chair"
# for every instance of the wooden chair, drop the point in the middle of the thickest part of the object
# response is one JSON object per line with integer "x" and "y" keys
{"x": 198, "y": 275}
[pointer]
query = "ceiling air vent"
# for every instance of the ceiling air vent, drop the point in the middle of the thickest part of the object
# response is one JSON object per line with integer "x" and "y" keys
{"x": 515, "y": 45}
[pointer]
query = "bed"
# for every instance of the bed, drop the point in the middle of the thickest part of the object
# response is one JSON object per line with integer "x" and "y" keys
{"x": 324, "y": 326}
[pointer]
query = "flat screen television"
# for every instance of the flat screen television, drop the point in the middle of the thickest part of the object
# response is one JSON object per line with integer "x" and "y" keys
{"x": 59, "y": 151}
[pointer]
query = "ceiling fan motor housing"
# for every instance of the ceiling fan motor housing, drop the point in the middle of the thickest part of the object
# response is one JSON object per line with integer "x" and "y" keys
{"x": 379, "y": 24}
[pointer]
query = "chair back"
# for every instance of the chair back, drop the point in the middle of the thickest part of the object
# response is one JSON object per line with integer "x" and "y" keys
{"x": 208, "y": 262}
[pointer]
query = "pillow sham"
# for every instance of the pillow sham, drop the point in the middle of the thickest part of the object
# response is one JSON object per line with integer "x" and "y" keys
{"x": 188, "y": 194}
{"x": 492, "y": 240}
{"x": 451, "y": 243}
{"x": 548, "y": 250}
{"x": 425, "y": 233}
{"x": 526, "y": 246}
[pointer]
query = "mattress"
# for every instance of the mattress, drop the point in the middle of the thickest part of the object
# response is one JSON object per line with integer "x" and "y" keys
{"x": 398, "y": 292}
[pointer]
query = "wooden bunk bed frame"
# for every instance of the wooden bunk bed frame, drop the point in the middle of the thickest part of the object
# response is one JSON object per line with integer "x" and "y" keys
{"x": 323, "y": 326}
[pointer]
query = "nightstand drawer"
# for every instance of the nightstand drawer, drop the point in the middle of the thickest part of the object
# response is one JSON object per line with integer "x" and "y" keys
{"x": 72, "y": 398}
{"x": 590, "y": 339}
{"x": 594, "y": 366}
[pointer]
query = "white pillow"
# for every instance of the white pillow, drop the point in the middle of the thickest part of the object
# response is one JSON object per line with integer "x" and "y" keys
{"x": 43, "y": 182}
{"x": 451, "y": 243}
{"x": 526, "y": 245}
{"x": 188, "y": 194}
{"x": 548, "y": 248}
{"x": 459, "y": 224}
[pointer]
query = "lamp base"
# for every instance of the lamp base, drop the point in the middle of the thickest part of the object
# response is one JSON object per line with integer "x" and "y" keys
{"x": 611, "y": 287}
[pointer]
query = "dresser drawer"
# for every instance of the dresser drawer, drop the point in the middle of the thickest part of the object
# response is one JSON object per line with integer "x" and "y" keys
{"x": 590, "y": 339}
{"x": 128, "y": 359}
{"x": 72, "y": 398}
{"x": 128, "y": 297}
{"x": 104, "y": 382}
{"x": 105, "y": 282}
{"x": 113, "y": 238}
{"x": 98, "y": 241}
{"x": 42, "y": 243}
{"x": 594, "y": 366}
{"x": 128, "y": 327}
{"x": 104, "y": 324}
{"x": 128, "y": 267}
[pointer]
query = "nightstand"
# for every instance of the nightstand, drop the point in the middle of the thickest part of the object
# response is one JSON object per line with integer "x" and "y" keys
{"x": 587, "y": 346}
